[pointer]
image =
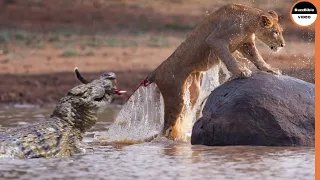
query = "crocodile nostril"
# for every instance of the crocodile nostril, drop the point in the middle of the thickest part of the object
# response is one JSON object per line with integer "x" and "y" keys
{"x": 282, "y": 45}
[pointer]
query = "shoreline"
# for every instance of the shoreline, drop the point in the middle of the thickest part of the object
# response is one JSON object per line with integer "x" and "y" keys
{"x": 47, "y": 89}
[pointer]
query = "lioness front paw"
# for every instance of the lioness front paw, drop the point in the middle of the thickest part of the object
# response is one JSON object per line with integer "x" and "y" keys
{"x": 167, "y": 132}
{"x": 242, "y": 73}
{"x": 275, "y": 71}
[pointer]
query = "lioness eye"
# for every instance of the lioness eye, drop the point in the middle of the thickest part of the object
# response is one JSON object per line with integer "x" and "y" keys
{"x": 276, "y": 33}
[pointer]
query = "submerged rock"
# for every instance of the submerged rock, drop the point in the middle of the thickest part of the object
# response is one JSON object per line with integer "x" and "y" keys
{"x": 264, "y": 110}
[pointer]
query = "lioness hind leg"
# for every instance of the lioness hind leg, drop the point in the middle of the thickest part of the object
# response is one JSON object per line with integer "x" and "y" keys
{"x": 194, "y": 88}
{"x": 173, "y": 106}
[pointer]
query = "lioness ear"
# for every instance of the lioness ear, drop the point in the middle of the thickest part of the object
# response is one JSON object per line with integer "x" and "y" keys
{"x": 274, "y": 15}
{"x": 266, "y": 21}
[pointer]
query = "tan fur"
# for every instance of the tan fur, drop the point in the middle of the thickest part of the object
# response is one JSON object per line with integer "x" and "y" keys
{"x": 229, "y": 29}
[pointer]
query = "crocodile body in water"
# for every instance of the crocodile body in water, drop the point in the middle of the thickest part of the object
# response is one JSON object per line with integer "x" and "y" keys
{"x": 62, "y": 133}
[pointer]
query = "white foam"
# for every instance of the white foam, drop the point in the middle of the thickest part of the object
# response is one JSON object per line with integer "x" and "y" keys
{"x": 140, "y": 118}
{"x": 143, "y": 114}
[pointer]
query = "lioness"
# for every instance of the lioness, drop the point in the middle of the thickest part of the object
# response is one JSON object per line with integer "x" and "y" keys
{"x": 231, "y": 28}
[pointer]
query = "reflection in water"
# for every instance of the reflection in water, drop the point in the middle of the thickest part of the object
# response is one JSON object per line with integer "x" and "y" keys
{"x": 159, "y": 159}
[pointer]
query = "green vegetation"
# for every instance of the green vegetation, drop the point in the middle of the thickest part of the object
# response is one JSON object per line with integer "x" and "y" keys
{"x": 70, "y": 53}
{"x": 89, "y": 53}
{"x": 66, "y": 38}
{"x": 4, "y": 37}
{"x": 75, "y": 44}
{"x": 179, "y": 27}
{"x": 157, "y": 41}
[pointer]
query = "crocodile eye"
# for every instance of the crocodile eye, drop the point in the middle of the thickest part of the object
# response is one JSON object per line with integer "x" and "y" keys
{"x": 98, "y": 99}
{"x": 109, "y": 75}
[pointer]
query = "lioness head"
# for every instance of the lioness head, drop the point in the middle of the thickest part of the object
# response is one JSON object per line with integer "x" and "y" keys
{"x": 270, "y": 32}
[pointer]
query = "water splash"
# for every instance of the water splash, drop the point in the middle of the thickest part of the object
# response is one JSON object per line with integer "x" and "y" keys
{"x": 210, "y": 80}
{"x": 143, "y": 115}
{"x": 140, "y": 118}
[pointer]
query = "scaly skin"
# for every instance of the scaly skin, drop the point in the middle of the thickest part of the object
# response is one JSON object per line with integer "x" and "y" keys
{"x": 51, "y": 138}
{"x": 62, "y": 133}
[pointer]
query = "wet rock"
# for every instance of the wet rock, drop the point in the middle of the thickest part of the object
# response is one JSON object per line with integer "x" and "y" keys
{"x": 264, "y": 110}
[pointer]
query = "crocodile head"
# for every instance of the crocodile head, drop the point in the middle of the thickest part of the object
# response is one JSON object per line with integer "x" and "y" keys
{"x": 84, "y": 102}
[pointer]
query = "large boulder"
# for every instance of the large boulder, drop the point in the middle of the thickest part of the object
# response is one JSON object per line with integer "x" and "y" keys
{"x": 265, "y": 109}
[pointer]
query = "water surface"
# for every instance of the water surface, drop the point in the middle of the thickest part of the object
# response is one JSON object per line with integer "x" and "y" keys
{"x": 159, "y": 159}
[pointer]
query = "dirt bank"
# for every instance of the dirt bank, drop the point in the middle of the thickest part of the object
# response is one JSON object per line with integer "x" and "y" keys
{"x": 42, "y": 41}
{"x": 49, "y": 88}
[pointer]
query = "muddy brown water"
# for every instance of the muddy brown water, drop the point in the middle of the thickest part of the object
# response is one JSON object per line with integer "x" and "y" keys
{"x": 160, "y": 159}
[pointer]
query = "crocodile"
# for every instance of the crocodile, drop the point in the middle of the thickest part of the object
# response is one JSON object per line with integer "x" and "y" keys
{"x": 62, "y": 133}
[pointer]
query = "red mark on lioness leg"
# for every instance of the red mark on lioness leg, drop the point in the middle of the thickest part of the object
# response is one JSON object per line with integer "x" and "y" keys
{"x": 144, "y": 83}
